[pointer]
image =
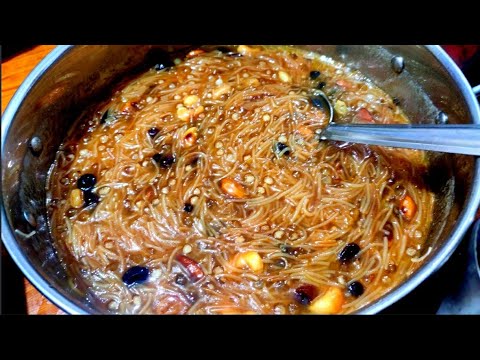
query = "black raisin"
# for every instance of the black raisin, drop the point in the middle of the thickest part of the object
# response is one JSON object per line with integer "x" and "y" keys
{"x": 305, "y": 294}
{"x": 314, "y": 74}
{"x": 135, "y": 275}
{"x": 356, "y": 288}
{"x": 164, "y": 160}
{"x": 153, "y": 131}
{"x": 321, "y": 85}
{"x": 90, "y": 198}
{"x": 86, "y": 182}
{"x": 349, "y": 252}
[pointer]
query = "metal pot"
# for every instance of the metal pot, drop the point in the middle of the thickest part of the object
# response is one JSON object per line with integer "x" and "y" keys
{"x": 429, "y": 85}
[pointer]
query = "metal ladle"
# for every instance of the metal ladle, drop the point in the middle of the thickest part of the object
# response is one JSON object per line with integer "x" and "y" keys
{"x": 459, "y": 139}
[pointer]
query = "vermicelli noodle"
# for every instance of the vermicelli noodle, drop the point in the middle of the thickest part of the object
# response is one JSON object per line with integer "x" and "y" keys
{"x": 203, "y": 187}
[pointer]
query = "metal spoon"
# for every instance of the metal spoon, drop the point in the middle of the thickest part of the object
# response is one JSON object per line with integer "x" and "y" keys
{"x": 459, "y": 139}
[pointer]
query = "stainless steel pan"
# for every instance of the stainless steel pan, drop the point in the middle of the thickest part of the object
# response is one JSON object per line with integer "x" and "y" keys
{"x": 425, "y": 80}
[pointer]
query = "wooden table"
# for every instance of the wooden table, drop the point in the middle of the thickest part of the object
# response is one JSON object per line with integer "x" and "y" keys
{"x": 14, "y": 71}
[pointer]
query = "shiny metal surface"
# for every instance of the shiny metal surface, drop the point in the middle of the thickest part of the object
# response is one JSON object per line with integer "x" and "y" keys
{"x": 476, "y": 90}
{"x": 465, "y": 300}
{"x": 441, "y": 118}
{"x": 71, "y": 78}
{"x": 323, "y": 102}
{"x": 476, "y": 246}
{"x": 456, "y": 139}
{"x": 398, "y": 64}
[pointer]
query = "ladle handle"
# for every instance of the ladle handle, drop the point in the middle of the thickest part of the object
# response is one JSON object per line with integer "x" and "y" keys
{"x": 459, "y": 139}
